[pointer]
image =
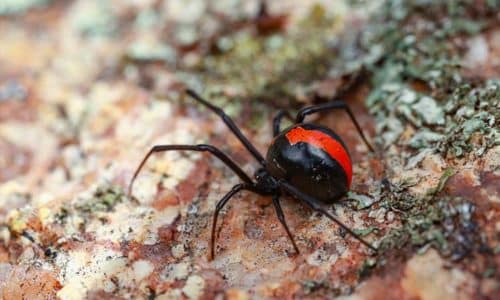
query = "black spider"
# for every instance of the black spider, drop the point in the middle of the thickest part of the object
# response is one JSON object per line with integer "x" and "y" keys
{"x": 307, "y": 161}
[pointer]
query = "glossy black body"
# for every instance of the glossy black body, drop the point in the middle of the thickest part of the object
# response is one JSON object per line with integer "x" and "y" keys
{"x": 310, "y": 169}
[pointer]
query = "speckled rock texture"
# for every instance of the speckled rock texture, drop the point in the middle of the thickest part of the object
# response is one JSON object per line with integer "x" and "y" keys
{"x": 87, "y": 87}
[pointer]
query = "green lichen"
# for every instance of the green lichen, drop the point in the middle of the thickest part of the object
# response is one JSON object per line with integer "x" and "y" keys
{"x": 310, "y": 287}
{"x": 489, "y": 272}
{"x": 442, "y": 181}
{"x": 94, "y": 18}
{"x": 11, "y": 7}
{"x": 103, "y": 199}
{"x": 475, "y": 112}
{"x": 431, "y": 220}
{"x": 367, "y": 267}
{"x": 96, "y": 205}
{"x": 361, "y": 201}
{"x": 434, "y": 220}
{"x": 144, "y": 51}
{"x": 283, "y": 65}
{"x": 418, "y": 88}
{"x": 417, "y": 79}
{"x": 367, "y": 231}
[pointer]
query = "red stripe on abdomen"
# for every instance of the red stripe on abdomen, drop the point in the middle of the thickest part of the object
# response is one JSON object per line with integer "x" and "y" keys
{"x": 326, "y": 143}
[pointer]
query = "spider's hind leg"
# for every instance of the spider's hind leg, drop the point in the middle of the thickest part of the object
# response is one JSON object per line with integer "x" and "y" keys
{"x": 277, "y": 120}
{"x": 301, "y": 114}
{"x": 317, "y": 206}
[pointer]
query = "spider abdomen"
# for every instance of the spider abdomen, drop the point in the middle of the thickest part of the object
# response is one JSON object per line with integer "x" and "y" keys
{"x": 312, "y": 158}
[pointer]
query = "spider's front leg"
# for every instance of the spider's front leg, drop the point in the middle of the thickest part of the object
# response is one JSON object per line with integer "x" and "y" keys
{"x": 200, "y": 148}
{"x": 220, "y": 205}
{"x": 230, "y": 124}
{"x": 281, "y": 218}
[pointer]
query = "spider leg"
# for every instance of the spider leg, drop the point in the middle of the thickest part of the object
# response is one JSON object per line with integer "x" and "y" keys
{"x": 220, "y": 205}
{"x": 281, "y": 218}
{"x": 301, "y": 114}
{"x": 317, "y": 206}
{"x": 201, "y": 148}
{"x": 277, "y": 120}
{"x": 230, "y": 123}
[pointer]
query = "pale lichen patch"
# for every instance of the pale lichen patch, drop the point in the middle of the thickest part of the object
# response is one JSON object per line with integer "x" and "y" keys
{"x": 146, "y": 186}
{"x": 492, "y": 160}
{"x": 194, "y": 287}
{"x": 140, "y": 224}
{"x": 172, "y": 294}
{"x": 174, "y": 272}
{"x": 178, "y": 251}
{"x": 142, "y": 269}
{"x": 83, "y": 271}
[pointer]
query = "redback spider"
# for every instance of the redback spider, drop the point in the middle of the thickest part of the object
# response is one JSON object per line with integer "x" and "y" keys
{"x": 307, "y": 161}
